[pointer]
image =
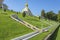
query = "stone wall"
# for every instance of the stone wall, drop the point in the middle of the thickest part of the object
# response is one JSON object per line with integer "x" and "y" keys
{"x": 53, "y": 35}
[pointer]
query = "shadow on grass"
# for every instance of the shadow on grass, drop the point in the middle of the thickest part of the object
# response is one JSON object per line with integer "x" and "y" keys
{"x": 54, "y": 35}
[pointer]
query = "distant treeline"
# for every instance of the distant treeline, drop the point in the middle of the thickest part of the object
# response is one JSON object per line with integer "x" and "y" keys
{"x": 50, "y": 15}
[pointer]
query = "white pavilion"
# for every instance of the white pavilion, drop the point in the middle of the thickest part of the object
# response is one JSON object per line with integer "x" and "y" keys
{"x": 27, "y": 10}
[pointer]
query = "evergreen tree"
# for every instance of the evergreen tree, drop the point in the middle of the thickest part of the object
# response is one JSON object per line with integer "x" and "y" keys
{"x": 23, "y": 14}
{"x": 4, "y": 10}
{"x": 43, "y": 13}
{"x": 58, "y": 16}
{"x": 39, "y": 17}
{"x": 49, "y": 15}
{"x": 54, "y": 17}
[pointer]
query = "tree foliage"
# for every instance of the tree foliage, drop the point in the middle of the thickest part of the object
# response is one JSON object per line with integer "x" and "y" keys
{"x": 4, "y": 10}
{"x": 39, "y": 17}
{"x": 23, "y": 14}
{"x": 43, "y": 13}
{"x": 58, "y": 16}
{"x": 50, "y": 15}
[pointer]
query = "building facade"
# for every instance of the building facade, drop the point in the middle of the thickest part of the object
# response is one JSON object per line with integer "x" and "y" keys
{"x": 27, "y": 10}
{"x": 2, "y": 5}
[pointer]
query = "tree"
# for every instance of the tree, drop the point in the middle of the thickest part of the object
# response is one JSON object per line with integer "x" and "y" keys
{"x": 17, "y": 12}
{"x": 58, "y": 16}
{"x": 43, "y": 13}
{"x": 39, "y": 17}
{"x": 4, "y": 10}
{"x": 24, "y": 14}
{"x": 54, "y": 17}
{"x": 49, "y": 15}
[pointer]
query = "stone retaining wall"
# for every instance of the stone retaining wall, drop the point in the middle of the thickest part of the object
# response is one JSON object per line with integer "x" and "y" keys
{"x": 50, "y": 36}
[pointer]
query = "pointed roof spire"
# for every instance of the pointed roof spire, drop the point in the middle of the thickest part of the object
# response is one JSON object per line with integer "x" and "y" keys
{"x": 26, "y": 3}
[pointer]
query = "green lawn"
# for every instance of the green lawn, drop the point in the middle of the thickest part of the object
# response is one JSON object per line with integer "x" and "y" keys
{"x": 9, "y": 28}
{"x": 41, "y": 24}
{"x": 43, "y": 35}
{"x": 34, "y": 21}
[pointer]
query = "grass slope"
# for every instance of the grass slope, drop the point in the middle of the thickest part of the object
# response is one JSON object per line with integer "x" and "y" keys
{"x": 42, "y": 23}
{"x": 9, "y": 28}
{"x": 43, "y": 35}
{"x": 34, "y": 21}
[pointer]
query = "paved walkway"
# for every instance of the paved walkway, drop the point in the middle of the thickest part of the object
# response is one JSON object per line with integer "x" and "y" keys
{"x": 27, "y": 36}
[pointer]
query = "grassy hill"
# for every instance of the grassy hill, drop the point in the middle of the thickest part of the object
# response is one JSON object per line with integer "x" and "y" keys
{"x": 42, "y": 23}
{"x": 45, "y": 34}
{"x": 34, "y": 21}
{"x": 9, "y": 28}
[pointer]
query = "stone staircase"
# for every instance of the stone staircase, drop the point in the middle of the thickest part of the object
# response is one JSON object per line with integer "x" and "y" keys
{"x": 15, "y": 17}
{"x": 29, "y": 35}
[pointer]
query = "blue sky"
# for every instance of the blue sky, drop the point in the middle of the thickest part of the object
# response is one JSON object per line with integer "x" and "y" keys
{"x": 35, "y": 5}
